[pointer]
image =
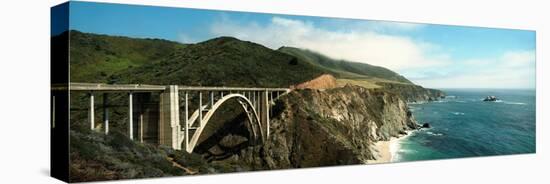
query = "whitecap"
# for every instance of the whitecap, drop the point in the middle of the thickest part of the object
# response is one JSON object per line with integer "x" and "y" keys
{"x": 406, "y": 151}
{"x": 510, "y": 103}
{"x": 434, "y": 134}
{"x": 458, "y": 113}
{"x": 515, "y": 103}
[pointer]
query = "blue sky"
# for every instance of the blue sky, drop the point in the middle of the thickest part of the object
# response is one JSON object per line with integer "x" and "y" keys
{"x": 435, "y": 56}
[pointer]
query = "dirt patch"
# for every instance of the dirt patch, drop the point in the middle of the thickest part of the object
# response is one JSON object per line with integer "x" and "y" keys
{"x": 325, "y": 81}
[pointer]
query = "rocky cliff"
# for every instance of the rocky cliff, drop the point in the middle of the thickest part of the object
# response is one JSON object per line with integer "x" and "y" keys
{"x": 325, "y": 81}
{"x": 309, "y": 128}
{"x": 339, "y": 126}
{"x": 412, "y": 93}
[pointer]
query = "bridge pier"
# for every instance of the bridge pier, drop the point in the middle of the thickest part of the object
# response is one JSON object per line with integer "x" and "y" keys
{"x": 147, "y": 116}
{"x": 140, "y": 124}
{"x": 91, "y": 112}
{"x": 130, "y": 116}
{"x": 169, "y": 122}
{"x": 264, "y": 111}
{"x": 186, "y": 138}
{"x": 106, "y": 113}
{"x": 201, "y": 109}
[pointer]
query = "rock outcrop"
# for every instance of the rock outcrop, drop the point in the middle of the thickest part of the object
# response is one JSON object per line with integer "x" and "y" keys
{"x": 337, "y": 126}
{"x": 412, "y": 93}
{"x": 490, "y": 99}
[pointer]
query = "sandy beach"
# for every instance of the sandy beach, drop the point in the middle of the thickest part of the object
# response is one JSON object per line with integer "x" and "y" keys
{"x": 386, "y": 150}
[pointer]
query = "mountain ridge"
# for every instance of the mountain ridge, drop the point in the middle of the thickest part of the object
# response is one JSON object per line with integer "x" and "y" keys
{"x": 344, "y": 68}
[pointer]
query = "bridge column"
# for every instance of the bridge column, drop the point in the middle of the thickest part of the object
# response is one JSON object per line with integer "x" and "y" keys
{"x": 264, "y": 112}
{"x": 186, "y": 138}
{"x": 146, "y": 112}
{"x": 169, "y": 124}
{"x": 130, "y": 115}
{"x": 91, "y": 112}
{"x": 105, "y": 113}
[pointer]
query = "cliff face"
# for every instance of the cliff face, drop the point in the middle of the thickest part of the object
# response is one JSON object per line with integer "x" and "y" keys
{"x": 325, "y": 81}
{"x": 338, "y": 126}
{"x": 309, "y": 128}
{"x": 412, "y": 93}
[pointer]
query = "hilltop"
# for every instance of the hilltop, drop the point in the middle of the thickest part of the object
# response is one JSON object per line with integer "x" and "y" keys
{"x": 343, "y": 68}
{"x": 223, "y": 61}
{"x": 366, "y": 75}
{"x": 95, "y": 57}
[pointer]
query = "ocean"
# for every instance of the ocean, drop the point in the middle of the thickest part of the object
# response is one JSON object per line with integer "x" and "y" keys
{"x": 463, "y": 125}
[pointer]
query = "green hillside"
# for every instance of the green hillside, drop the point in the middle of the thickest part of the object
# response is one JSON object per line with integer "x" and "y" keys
{"x": 345, "y": 69}
{"x": 95, "y": 57}
{"x": 223, "y": 61}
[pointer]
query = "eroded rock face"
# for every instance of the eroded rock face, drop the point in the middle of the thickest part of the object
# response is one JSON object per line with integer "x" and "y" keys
{"x": 338, "y": 126}
{"x": 413, "y": 93}
{"x": 325, "y": 81}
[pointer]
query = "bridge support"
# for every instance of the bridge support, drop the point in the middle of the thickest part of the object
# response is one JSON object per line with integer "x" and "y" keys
{"x": 147, "y": 117}
{"x": 106, "y": 112}
{"x": 131, "y": 115}
{"x": 264, "y": 111}
{"x": 91, "y": 112}
{"x": 169, "y": 124}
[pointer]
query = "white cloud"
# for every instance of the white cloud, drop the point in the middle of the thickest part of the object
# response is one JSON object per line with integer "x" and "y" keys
{"x": 386, "y": 26}
{"x": 424, "y": 63}
{"x": 513, "y": 69}
{"x": 360, "y": 45}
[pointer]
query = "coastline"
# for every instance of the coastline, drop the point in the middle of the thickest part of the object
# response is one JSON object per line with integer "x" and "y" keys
{"x": 386, "y": 151}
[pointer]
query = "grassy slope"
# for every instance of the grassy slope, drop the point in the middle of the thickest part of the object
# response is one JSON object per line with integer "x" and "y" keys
{"x": 365, "y": 75}
{"x": 224, "y": 61}
{"x": 95, "y": 57}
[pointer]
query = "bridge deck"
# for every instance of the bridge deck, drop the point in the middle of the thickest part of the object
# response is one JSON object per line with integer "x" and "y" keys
{"x": 151, "y": 88}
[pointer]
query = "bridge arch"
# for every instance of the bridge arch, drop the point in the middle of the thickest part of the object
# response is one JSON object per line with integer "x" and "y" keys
{"x": 248, "y": 107}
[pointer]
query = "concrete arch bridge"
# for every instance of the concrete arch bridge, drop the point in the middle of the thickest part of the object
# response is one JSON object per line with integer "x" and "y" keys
{"x": 171, "y": 129}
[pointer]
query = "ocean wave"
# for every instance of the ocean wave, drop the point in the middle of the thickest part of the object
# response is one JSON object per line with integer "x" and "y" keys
{"x": 406, "y": 151}
{"x": 447, "y": 101}
{"x": 510, "y": 103}
{"x": 515, "y": 103}
{"x": 458, "y": 113}
{"x": 434, "y": 134}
